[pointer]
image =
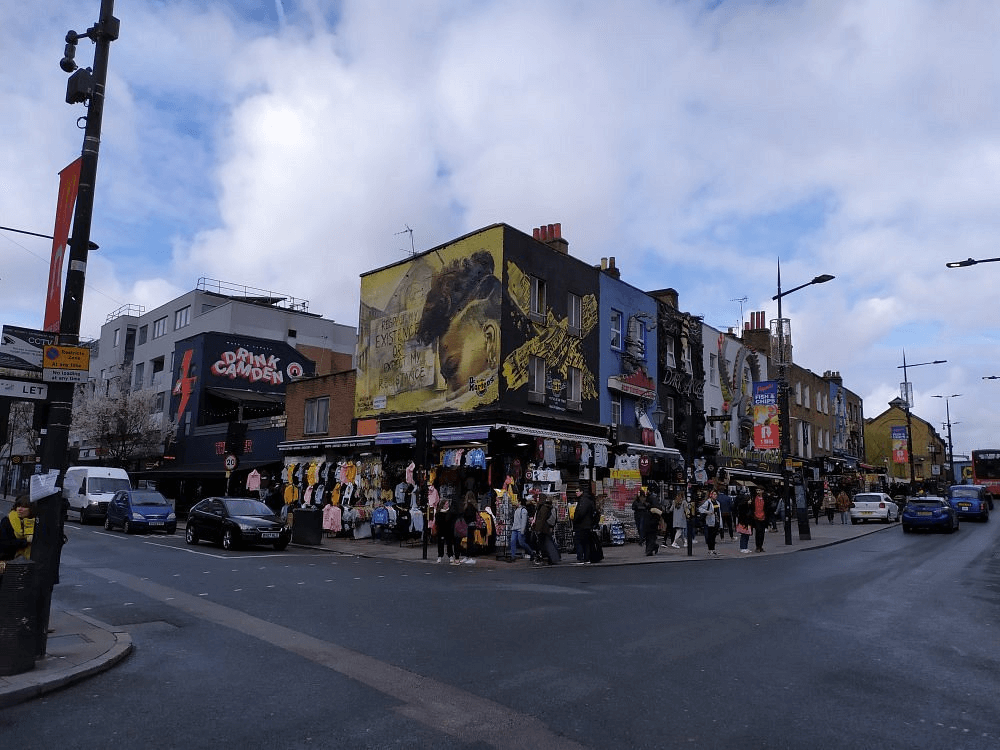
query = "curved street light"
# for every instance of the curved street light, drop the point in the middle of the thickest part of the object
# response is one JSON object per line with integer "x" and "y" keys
{"x": 969, "y": 262}
{"x": 909, "y": 422}
{"x": 951, "y": 445}
{"x": 784, "y": 425}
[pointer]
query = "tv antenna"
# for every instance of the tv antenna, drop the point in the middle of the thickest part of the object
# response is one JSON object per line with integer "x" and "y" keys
{"x": 409, "y": 231}
{"x": 742, "y": 301}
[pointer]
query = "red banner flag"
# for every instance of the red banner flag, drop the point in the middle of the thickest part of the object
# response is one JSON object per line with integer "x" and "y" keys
{"x": 69, "y": 184}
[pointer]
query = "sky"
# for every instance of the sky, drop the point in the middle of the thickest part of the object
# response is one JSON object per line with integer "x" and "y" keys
{"x": 289, "y": 145}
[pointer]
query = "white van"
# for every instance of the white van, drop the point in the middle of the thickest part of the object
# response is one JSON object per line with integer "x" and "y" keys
{"x": 89, "y": 489}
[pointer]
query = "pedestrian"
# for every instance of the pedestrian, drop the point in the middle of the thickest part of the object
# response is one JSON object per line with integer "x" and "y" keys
{"x": 651, "y": 522}
{"x": 444, "y": 527}
{"x": 543, "y": 526}
{"x": 829, "y": 504}
{"x": 817, "y": 505}
{"x": 640, "y": 507}
{"x": 844, "y": 506}
{"x": 690, "y": 508}
{"x": 470, "y": 519}
{"x": 744, "y": 521}
{"x": 517, "y": 529}
{"x": 725, "y": 501}
{"x": 760, "y": 519}
{"x": 17, "y": 530}
{"x": 583, "y": 522}
{"x": 708, "y": 511}
{"x": 678, "y": 519}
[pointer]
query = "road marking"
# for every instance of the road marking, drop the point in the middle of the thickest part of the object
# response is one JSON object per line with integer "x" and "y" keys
{"x": 439, "y": 706}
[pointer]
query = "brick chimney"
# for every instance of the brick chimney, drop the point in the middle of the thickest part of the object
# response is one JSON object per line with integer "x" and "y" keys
{"x": 551, "y": 235}
{"x": 757, "y": 334}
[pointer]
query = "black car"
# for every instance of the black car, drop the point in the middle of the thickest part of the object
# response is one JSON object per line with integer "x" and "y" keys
{"x": 233, "y": 521}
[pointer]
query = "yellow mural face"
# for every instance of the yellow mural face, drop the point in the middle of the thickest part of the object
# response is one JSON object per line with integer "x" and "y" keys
{"x": 429, "y": 337}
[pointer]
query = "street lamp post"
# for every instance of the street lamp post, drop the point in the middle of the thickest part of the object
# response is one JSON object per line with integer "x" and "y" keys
{"x": 909, "y": 422}
{"x": 969, "y": 262}
{"x": 951, "y": 446}
{"x": 784, "y": 422}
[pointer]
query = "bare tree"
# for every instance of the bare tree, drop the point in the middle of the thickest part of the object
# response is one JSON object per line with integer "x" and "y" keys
{"x": 123, "y": 426}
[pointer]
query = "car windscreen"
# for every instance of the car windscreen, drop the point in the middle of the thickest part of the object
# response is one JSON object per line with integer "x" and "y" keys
{"x": 107, "y": 484}
{"x": 965, "y": 492}
{"x": 247, "y": 507}
{"x": 149, "y": 498}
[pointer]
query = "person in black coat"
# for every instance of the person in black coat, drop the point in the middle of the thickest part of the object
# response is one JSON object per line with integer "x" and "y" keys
{"x": 651, "y": 523}
{"x": 583, "y": 522}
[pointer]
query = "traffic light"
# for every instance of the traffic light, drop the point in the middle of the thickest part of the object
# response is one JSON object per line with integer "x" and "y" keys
{"x": 236, "y": 437}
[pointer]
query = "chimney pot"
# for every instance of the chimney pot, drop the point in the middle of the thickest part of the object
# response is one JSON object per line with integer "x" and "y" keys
{"x": 536, "y": 233}
{"x": 551, "y": 232}
{"x": 604, "y": 264}
{"x": 558, "y": 230}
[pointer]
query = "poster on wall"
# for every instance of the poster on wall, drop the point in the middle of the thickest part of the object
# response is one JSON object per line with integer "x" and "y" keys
{"x": 899, "y": 452}
{"x": 766, "y": 429}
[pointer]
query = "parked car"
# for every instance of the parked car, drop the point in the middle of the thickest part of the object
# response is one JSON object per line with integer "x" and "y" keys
{"x": 235, "y": 521}
{"x": 140, "y": 510}
{"x": 970, "y": 501}
{"x": 873, "y": 506}
{"x": 930, "y": 512}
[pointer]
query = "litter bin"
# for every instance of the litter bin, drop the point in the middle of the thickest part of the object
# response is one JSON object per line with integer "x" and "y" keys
{"x": 17, "y": 617}
{"x": 308, "y": 526}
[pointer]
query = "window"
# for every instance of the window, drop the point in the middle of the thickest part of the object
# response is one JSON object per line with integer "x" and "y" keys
{"x": 713, "y": 428}
{"x": 616, "y": 409}
{"x": 617, "y": 341}
{"x": 574, "y": 314}
{"x": 688, "y": 367}
{"x": 118, "y": 336}
{"x": 160, "y": 400}
{"x": 140, "y": 372}
{"x": 575, "y": 385}
{"x": 668, "y": 349}
{"x": 182, "y": 317}
{"x": 157, "y": 365}
{"x": 713, "y": 370}
{"x": 635, "y": 340}
{"x": 536, "y": 379}
{"x": 159, "y": 327}
{"x": 537, "y": 298}
{"x": 805, "y": 397}
{"x": 317, "y": 416}
{"x": 798, "y": 394}
{"x": 143, "y": 334}
{"x": 668, "y": 423}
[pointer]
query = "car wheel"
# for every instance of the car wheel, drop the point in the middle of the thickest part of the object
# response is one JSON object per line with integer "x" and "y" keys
{"x": 281, "y": 545}
{"x": 854, "y": 522}
{"x": 906, "y": 529}
{"x": 190, "y": 536}
{"x": 954, "y": 527}
{"x": 126, "y": 526}
{"x": 107, "y": 523}
{"x": 228, "y": 539}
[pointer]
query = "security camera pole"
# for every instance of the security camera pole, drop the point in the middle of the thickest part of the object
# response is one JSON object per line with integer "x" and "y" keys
{"x": 84, "y": 86}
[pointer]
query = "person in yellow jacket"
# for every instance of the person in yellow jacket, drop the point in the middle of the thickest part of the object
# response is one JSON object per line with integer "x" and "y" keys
{"x": 17, "y": 530}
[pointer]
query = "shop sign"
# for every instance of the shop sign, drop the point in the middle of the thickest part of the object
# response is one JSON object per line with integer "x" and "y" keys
{"x": 625, "y": 474}
{"x": 638, "y": 384}
{"x": 22, "y": 389}
{"x": 766, "y": 431}
{"x": 555, "y": 387}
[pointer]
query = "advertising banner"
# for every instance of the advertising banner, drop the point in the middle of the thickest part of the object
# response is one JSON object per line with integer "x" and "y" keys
{"x": 899, "y": 452}
{"x": 69, "y": 184}
{"x": 21, "y": 351}
{"x": 766, "y": 429}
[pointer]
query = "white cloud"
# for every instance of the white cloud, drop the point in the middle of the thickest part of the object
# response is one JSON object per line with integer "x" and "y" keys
{"x": 695, "y": 144}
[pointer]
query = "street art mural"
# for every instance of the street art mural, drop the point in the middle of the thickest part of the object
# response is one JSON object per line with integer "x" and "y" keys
{"x": 838, "y": 442}
{"x": 739, "y": 370}
{"x": 430, "y": 333}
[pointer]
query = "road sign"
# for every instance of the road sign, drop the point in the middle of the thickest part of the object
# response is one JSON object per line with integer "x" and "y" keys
{"x": 66, "y": 364}
{"x": 23, "y": 389}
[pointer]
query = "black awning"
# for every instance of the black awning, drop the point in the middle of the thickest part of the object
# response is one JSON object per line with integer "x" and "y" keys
{"x": 202, "y": 469}
{"x": 246, "y": 397}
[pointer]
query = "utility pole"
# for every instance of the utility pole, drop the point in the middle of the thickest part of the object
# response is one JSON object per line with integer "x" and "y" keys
{"x": 84, "y": 85}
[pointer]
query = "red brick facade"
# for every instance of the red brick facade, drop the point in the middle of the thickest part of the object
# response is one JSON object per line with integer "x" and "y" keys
{"x": 339, "y": 386}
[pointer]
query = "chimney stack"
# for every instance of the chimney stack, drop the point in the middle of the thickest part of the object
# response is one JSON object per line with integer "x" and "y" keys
{"x": 551, "y": 235}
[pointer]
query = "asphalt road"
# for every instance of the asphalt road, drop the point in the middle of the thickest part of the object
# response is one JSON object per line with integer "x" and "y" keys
{"x": 888, "y": 641}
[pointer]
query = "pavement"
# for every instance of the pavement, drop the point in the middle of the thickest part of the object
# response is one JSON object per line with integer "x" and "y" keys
{"x": 80, "y": 646}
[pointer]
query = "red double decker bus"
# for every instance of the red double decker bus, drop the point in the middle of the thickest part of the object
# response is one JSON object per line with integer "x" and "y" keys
{"x": 986, "y": 469}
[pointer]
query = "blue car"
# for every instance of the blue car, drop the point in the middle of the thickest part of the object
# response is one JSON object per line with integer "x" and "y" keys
{"x": 970, "y": 501}
{"x": 140, "y": 510}
{"x": 929, "y": 513}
